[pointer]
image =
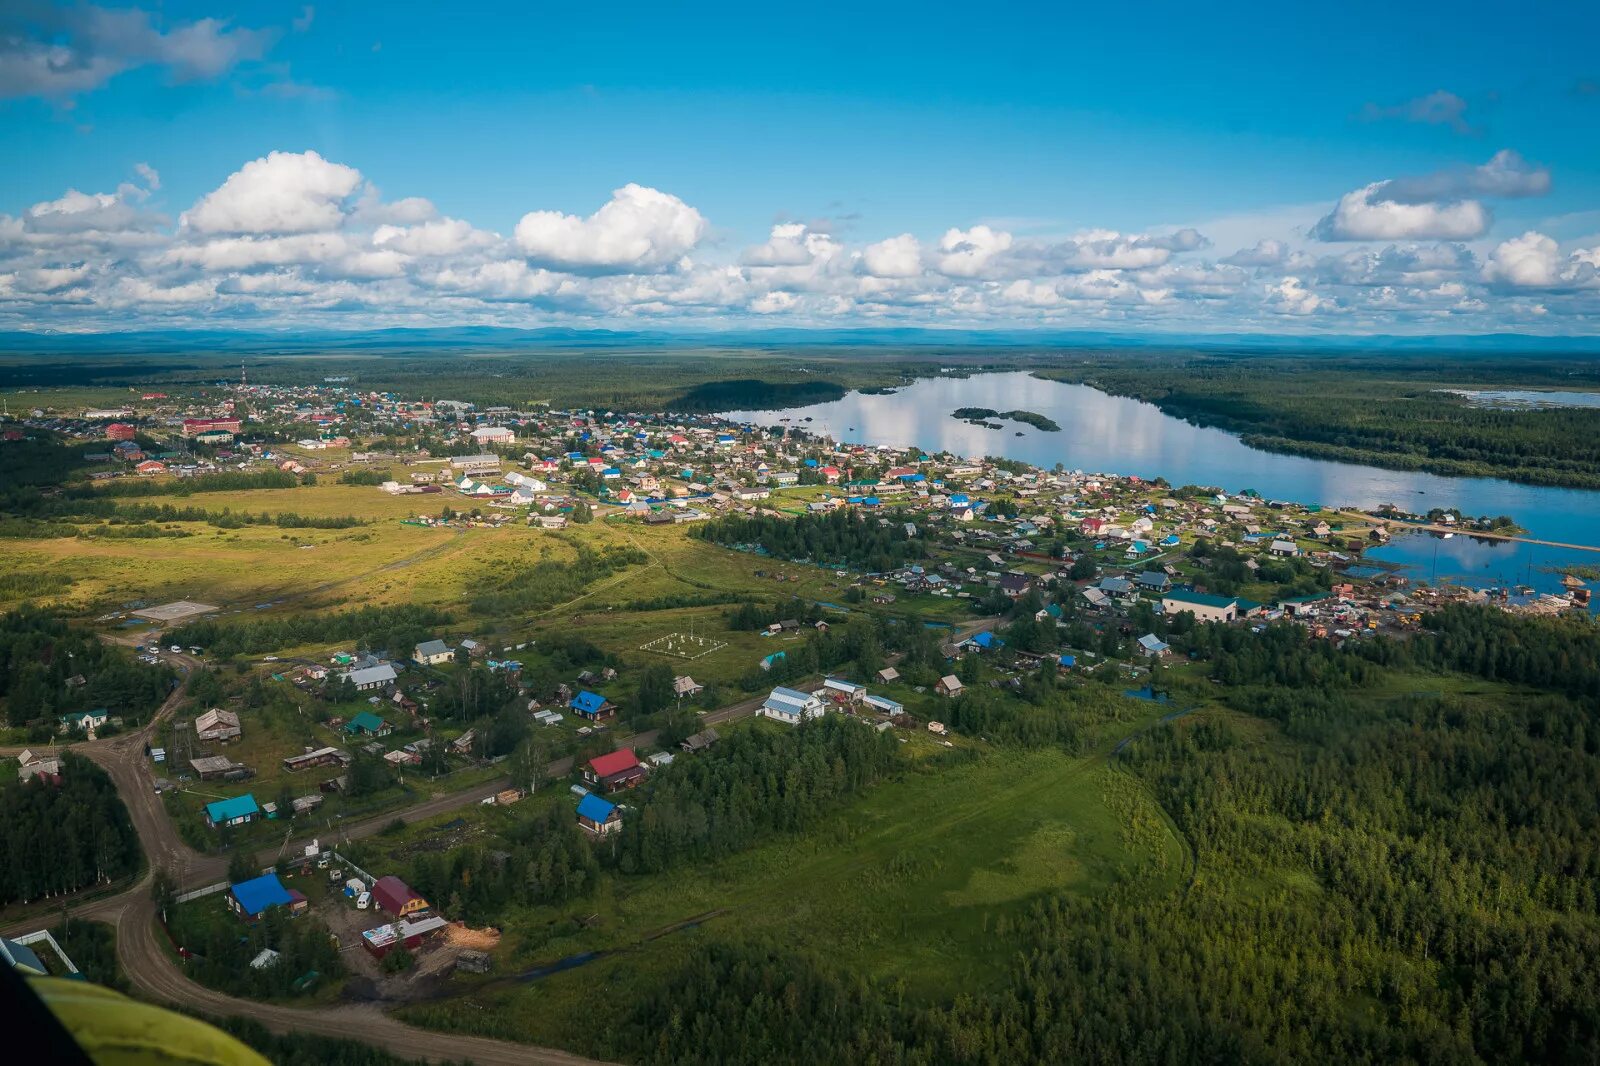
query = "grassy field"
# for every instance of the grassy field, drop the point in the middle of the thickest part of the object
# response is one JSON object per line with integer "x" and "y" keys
{"x": 907, "y": 883}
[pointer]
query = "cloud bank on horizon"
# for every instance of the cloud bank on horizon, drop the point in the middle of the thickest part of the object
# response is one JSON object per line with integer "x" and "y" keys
{"x": 295, "y": 238}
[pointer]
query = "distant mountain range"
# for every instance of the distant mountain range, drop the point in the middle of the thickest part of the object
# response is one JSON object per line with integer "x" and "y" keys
{"x": 488, "y": 337}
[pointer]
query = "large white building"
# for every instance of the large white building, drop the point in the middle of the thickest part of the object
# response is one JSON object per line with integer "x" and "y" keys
{"x": 791, "y": 706}
{"x": 1204, "y": 606}
{"x": 493, "y": 435}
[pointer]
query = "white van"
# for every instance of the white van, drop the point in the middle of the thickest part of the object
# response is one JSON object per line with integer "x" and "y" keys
{"x": 363, "y": 901}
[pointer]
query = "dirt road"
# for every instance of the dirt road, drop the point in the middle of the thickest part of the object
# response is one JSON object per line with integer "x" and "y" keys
{"x": 153, "y": 968}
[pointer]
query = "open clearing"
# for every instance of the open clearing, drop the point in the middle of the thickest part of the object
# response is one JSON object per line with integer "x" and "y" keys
{"x": 907, "y": 883}
{"x": 177, "y": 611}
{"x": 683, "y": 646}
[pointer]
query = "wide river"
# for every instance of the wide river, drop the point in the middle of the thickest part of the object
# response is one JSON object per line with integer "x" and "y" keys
{"x": 1115, "y": 435}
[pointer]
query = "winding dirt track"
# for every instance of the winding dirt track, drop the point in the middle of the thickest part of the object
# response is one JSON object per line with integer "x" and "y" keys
{"x": 154, "y": 971}
{"x": 152, "y": 967}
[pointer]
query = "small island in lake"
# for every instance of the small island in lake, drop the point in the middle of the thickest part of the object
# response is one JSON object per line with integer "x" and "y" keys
{"x": 977, "y": 415}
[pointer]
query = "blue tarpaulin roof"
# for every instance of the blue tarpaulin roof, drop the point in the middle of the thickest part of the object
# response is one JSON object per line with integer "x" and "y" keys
{"x": 259, "y": 893}
{"x": 594, "y": 808}
{"x": 587, "y": 702}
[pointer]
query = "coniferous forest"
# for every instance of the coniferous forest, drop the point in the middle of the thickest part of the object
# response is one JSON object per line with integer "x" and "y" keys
{"x": 58, "y": 838}
{"x": 1378, "y": 875}
{"x": 837, "y": 538}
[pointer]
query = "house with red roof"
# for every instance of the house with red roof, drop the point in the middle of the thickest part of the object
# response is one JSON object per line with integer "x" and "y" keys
{"x": 397, "y": 897}
{"x": 615, "y": 771}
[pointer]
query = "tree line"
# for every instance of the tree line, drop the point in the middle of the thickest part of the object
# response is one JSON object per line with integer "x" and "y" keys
{"x": 840, "y": 537}
{"x": 57, "y": 839}
{"x": 397, "y": 628}
{"x": 51, "y": 669}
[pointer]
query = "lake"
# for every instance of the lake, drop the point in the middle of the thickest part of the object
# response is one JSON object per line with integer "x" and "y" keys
{"x": 1117, "y": 435}
{"x": 1523, "y": 399}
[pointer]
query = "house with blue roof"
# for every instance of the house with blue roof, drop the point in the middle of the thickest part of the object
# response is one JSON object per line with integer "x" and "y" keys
{"x": 253, "y": 898}
{"x": 235, "y": 811}
{"x": 986, "y": 641}
{"x": 593, "y": 706}
{"x": 1153, "y": 646}
{"x": 1067, "y": 662}
{"x": 598, "y": 816}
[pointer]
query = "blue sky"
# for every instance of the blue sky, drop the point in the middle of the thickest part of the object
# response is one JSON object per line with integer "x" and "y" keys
{"x": 1030, "y": 166}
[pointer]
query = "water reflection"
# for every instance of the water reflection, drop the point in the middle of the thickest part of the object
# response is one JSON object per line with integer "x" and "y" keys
{"x": 1112, "y": 434}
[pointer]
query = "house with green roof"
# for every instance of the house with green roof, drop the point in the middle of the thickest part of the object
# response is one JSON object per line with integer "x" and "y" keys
{"x": 1205, "y": 606}
{"x": 84, "y": 721}
{"x": 367, "y": 724}
{"x": 235, "y": 811}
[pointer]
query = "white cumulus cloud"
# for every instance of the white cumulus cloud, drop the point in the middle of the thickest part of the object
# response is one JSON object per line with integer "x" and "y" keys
{"x": 969, "y": 253}
{"x": 895, "y": 257}
{"x": 639, "y": 228}
{"x": 1363, "y": 215}
{"x": 285, "y": 192}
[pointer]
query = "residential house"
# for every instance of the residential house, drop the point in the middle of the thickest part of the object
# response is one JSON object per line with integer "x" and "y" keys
{"x": 367, "y": 724}
{"x": 1014, "y": 585}
{"x": 319, "y": 757}
{"x": 219, "y": 725}
{"x": 598, "y": 817}
{"x": 371, "y": 677}
{"x": 844, "y": 691}
{"x": 253, "y": 898}
{"x": 615, "y": 770}
{"x": 33, "y": 765}
{"x": 700, "y": 741}
{"x": 396, "y": 897}
{"x": 949, "y": 685}
{"x": 593, "y": 706}
{"x": 791, "y": 706}
{"x": 236, "y": 810}
{"x": 1154, "y": 581}
{"x": 433, "y": 653}
{"x": 84, "y": 721}
{"x": 686, "y": 687}
{"x": 1153, "y": 647}
{"x": 985, "y": 641}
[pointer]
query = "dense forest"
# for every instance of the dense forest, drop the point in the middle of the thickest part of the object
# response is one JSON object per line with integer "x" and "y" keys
{"x": 222, "y": 948}
{"x": 751, "y": 394}
{"x": 1381, "y": 874}
{"x": 51, "y": 669}
{"x": 302, "y": 1049}
{"x": 56, "y": 839}
{"x": 840, "y": 537}
{"x": 396, "y": 629}
{"x": 542, "y": 860}
{"x": 757, "y": 782}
